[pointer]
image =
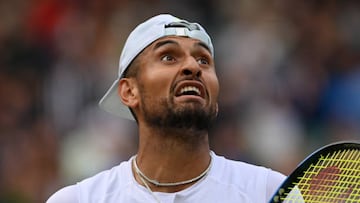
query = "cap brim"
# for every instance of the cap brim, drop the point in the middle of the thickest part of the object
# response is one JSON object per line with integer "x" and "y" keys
{"x": 111, "y": 103}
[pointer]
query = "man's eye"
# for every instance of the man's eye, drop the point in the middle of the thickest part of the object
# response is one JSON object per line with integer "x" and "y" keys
{"x": 167, "y": 58}
{"x": 203, "y": 61}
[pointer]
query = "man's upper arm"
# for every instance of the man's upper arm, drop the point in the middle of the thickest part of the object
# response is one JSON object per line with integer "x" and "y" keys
{"x": 66, "y": 194}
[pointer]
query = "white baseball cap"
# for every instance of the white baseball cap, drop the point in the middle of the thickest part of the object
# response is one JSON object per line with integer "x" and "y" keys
{"x": 142, "y": 36}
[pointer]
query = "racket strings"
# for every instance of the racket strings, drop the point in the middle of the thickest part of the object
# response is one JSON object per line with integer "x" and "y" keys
{"x": 333, "y": 178}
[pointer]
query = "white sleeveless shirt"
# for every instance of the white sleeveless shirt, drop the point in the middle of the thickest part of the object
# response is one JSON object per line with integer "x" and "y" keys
{"x": 227, "y": 181}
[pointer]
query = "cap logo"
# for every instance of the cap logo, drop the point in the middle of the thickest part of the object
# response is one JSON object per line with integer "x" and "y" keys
{"x": 189, "y": 26}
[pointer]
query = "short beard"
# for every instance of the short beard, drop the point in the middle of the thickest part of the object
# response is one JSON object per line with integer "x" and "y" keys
{"x": 185, "y": 120}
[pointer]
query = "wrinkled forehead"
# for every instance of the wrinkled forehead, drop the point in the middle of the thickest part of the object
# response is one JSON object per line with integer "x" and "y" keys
{"x": 182, "y": 42}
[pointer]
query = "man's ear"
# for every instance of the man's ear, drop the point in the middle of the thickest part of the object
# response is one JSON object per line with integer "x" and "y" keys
{"x": 128, "y": 92}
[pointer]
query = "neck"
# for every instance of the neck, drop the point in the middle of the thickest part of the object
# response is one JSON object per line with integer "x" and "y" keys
{"x": 167, "y": 156}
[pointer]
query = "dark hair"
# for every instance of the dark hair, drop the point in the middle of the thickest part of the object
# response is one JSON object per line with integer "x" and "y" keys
{"x": 132, "y": 70}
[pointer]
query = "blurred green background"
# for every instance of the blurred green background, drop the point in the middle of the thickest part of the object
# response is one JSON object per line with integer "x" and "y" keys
{"x": 289, "y": 72}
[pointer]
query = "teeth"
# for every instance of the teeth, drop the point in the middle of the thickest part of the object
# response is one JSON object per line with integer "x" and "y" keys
{"x": 190, "y": 88}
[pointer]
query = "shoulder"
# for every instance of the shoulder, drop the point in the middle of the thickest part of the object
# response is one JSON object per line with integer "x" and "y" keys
{"x": 107, "y": 182}
{"x": 249, "y": 178}
{"x": 96, "y": 186}
{"x": 66, "y": 194}
{"x": 241, "y": 169}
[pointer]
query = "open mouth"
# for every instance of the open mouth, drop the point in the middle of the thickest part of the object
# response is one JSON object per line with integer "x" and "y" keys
{"x": 190, "y": 88}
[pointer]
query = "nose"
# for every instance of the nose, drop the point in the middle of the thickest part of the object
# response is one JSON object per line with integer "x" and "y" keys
{"x": 191, "y": 67}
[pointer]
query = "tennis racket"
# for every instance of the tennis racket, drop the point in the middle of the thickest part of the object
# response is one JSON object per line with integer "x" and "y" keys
{"x": 330, "y": 174}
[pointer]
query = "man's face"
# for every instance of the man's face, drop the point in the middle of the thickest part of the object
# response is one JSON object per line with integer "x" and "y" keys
{"x": 178, "y": 84}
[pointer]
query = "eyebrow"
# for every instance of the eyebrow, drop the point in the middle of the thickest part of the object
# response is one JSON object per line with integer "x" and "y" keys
{"x": 202, "y": 44}
{"x": 162, "y": 43}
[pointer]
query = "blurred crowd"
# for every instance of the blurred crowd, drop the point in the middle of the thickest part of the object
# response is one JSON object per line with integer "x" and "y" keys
{"x": 289, "y": 73}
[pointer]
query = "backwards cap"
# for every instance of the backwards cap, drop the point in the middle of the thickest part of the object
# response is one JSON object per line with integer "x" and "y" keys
{"x": 142, "y": 36}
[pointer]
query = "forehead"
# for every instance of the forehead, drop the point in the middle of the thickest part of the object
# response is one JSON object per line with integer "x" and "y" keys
{"x": 178, "y": 41}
